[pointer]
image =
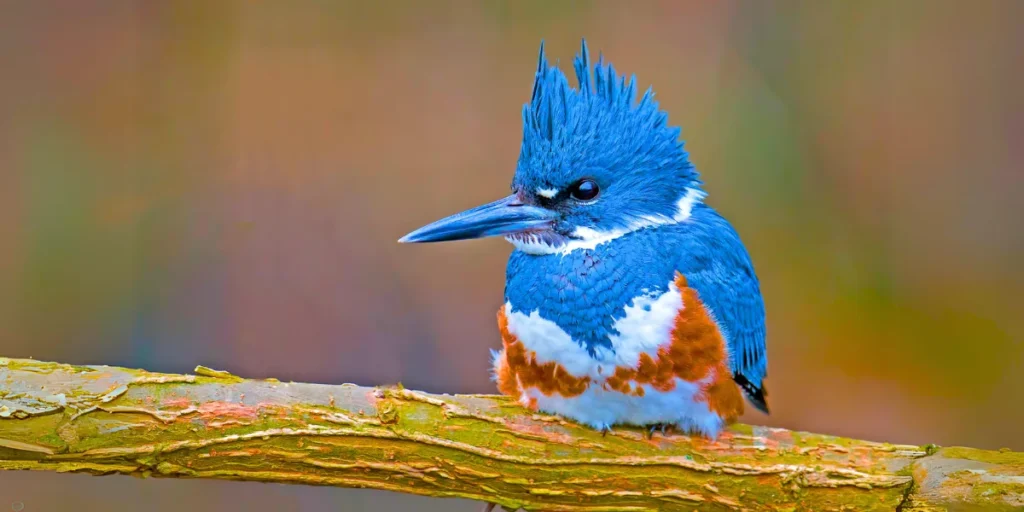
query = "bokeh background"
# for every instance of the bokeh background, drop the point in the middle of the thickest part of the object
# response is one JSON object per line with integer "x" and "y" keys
{"x": 223, "y": 183}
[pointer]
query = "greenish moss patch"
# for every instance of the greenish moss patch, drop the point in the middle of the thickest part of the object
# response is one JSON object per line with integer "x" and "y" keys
{"x": 1002, "y": 458}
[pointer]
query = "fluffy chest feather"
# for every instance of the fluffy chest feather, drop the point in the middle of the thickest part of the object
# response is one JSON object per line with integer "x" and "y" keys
{"x": 645, "y": 323}
{"x": 585, "y": 293}
{"x": 665, "y": 361}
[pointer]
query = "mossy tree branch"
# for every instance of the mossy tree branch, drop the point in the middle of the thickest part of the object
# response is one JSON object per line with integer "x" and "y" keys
{"x": 101, "y": 419}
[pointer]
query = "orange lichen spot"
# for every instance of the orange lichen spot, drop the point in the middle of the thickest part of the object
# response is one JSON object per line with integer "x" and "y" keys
{"x": 517, "y": 369}
{"x": 210, "y": 410}
{"x": 176, "y": 402}
{"x": 920, "y": 473}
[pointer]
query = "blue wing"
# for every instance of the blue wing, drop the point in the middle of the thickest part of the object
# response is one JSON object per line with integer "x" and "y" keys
{"x": 716, "y": 264}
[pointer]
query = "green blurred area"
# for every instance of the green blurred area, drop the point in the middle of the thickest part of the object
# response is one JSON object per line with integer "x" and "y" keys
{"x": 223, "y": 183}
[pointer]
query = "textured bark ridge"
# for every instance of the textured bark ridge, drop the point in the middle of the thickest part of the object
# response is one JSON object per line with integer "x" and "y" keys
{"x": 101, "y": 419}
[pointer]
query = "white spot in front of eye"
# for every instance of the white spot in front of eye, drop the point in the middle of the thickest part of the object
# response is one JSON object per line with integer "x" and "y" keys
{"x": 549, "y": 193}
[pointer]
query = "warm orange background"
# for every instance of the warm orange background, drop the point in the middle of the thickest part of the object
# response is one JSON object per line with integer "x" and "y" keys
{"x": 223, "y": 183}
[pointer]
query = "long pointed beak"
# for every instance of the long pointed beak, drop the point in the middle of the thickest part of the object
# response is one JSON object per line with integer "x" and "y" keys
{"x": 502, "y": 217}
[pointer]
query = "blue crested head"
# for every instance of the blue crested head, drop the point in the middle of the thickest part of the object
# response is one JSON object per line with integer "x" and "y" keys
{"x": 598, "y": 134}
{"x": 595, "y": 163}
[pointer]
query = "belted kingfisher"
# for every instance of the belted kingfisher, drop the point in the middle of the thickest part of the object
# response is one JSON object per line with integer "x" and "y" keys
{"x": 628, "y": 300}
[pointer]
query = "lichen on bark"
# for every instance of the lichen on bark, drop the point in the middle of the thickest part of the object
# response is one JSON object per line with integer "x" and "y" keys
{"x": 101, "y": 419}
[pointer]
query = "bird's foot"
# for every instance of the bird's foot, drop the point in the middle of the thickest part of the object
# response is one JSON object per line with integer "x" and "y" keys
{"x": 604, "y": 429}
{"x": 664, "y": 428}
{"x": 489, "y": 507}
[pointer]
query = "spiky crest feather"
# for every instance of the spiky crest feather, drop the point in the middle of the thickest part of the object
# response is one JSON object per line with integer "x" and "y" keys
{"x": 602, "y": 109}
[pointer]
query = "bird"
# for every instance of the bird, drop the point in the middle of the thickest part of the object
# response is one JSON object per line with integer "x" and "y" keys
{"x": 628, "y": 299}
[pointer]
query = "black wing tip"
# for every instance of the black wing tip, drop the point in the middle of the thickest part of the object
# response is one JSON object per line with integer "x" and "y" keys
{"x": 758, "y": 396}
{"x": 759, "y": 401}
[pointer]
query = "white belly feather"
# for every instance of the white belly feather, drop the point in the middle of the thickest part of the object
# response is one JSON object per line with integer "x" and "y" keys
{"x": 647, "y": 324}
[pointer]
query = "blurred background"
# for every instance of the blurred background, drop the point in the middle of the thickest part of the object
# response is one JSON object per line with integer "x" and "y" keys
{"x": 222, "y": 183}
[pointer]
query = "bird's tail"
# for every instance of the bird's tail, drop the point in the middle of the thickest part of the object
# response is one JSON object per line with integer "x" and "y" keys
{"x": 758, "y": 395}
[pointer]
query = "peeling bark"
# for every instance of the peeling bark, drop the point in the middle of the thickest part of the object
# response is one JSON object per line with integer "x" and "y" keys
{"x": 101, "y": 420}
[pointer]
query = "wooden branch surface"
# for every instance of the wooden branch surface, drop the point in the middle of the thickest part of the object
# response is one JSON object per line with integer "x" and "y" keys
{"x": 101, "y": 419}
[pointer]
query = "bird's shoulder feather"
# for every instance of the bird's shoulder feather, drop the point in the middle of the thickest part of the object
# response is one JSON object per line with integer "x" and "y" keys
{"x": 715, "y": 263}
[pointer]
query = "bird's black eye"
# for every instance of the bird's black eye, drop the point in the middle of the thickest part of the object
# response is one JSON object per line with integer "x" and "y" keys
{"x": 584, "y": 190}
